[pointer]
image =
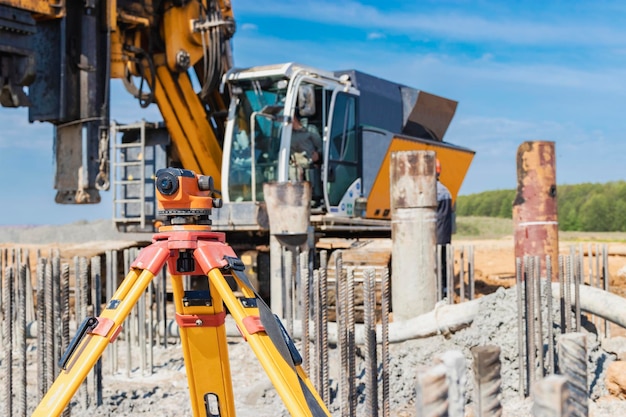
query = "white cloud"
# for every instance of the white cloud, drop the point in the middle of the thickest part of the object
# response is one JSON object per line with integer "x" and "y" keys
{"x": 375, "y": 35}
{"x": 466, "y": 27}
{"x": 249, "y": 27}
{"x": 444, "y": 72}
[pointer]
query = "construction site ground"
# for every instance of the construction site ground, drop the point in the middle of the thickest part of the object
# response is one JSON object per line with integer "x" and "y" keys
{"x": 164, "y": 392}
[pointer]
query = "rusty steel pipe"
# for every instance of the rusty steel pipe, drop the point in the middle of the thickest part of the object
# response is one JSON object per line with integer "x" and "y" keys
{"x": 535, "y": 206}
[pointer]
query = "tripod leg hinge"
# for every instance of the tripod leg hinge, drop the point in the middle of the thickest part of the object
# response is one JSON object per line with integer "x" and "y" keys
{"x": 201, "y": 320}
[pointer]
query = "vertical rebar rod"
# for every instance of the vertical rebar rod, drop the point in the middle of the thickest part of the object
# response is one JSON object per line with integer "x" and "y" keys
{"x": 598, "y": 280}
{"x": 568, "y": 293}
{"x": 597, "y": 258}
{"x": 605, "y": 279}
{"x": 8, "y": 341}
{"x": 539, "y": 306}
{"x": 64, "y": 307}
{"x": 164, "y": 303}
{"x": 487, "y": 380}
{"x": 96, "y": 279}
{"x": 56, "y": 291}
{"x": 82, "y": 281}
{"x": 287, "y": 287}
{"x": 550, "y": 318}
{"x": 41, "y": 339}
{"x": 351, "y": 339}
{"x": 561, "y": 274}
{"x": 581, "y": 263}
{"x": 439, "y": 286}
{"x": 108, "y": 259}
{"x": 324, "y": 339}
{"x": 521, "y": 328}
{"x": 316, "y": 365}
{"x": 530, "y": 321}
{"x": 573, "y": 365}
{"x": 341, "y": 319}
{"x": 296, "y": 300}
{"x": 456, "y": 374}
{"x": 462, "y": 273}
{"x": 385, "y": 311}
{"x": 30, "y": 302}
{"x": 20, "y": 336}
{"x": 573, "y": 280}
{"x": 157, "y": 307}
{"x": 590, "y": 263}
{"x": 470, "y": 268}
{"x": 432, "y": 392}
{"x": 2, "y": 251}
{"x": 450, "y": 273}
{"x": 306, "y": 311}
{"x": 49, "y": 327}
{"x": 551, "y": 397}
{"x": 322, "y": 317}
{"x": 371, "y": 359}
{"x": 577, "y": 283}
{"x": 151, "y": 336}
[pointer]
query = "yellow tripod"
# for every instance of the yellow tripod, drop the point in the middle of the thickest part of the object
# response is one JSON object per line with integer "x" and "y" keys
{"x": 193, "y": 249}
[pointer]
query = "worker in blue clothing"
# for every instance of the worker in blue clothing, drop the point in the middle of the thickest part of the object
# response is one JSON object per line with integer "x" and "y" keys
{"x": 444, "y": 225}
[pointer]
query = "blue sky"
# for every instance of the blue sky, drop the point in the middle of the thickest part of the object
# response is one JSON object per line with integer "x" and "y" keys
{"x": 520, "y": 71}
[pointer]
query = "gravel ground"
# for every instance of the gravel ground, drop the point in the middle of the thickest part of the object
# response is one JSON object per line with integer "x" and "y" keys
{"x": 165, "y": 391}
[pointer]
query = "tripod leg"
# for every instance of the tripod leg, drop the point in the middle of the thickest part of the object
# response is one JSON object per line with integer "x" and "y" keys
{"x": 201, "y": 318}
{"x": 263, "y": 331}
{"x": 87, "y": 351}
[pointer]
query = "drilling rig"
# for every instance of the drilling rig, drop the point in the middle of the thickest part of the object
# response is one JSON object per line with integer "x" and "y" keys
{"x": 235, "y": 125}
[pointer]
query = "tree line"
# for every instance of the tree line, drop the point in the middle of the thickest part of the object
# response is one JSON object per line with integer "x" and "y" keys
{"x": 581, "y": 207}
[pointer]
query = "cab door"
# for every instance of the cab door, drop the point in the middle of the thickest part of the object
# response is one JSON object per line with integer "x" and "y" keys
{"x": 342, "y": 173}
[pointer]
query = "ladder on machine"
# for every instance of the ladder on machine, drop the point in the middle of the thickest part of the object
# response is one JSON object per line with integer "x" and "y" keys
{"x": 135, "y": 160}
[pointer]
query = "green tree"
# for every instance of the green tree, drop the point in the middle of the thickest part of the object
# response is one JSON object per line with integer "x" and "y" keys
{"x": 595, "y": 214}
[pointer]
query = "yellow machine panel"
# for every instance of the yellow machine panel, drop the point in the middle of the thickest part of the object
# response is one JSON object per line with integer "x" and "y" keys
{"x": 46, "y": 8}
{"x": 455, "y": 162}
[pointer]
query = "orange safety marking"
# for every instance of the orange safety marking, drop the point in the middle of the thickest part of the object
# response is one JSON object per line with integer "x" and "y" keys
{"x": 253, "y": 324}
{"x": 103, "y": 327}
{"x": 201, "y": 320}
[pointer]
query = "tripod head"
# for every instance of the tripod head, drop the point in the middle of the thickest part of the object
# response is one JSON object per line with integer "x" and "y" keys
{"x": 184, "y": 197}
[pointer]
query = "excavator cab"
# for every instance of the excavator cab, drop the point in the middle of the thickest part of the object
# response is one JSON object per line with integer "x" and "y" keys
{"x": 260, "y": 131}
